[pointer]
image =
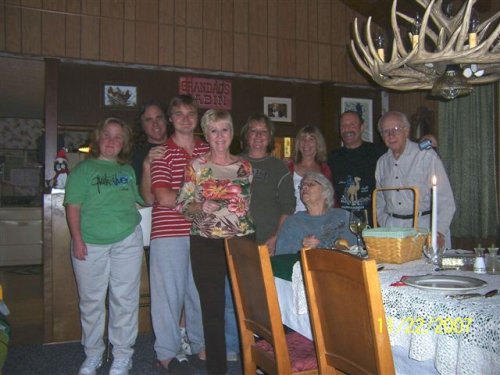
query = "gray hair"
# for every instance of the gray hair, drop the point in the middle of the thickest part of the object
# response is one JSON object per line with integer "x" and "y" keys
{"x": 326, "y": 186}
{"x": 399, "y": 115}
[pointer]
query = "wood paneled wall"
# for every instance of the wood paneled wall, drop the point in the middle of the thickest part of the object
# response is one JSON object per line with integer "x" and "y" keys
{"x": 304, "y": 39}
{"x": 409, "y": 102}
{"x": 80, "y": 95}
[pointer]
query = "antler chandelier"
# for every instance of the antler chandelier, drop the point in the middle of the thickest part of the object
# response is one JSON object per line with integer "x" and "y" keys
{"x": 447, "y": 55}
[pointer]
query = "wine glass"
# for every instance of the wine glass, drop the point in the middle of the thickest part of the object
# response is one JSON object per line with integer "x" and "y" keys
{"x": 434, "y": 256}
{"x": 358, "y": 222}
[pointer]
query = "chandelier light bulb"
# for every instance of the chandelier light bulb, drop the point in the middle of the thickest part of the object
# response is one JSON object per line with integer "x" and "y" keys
{"x": 415, "y": 30}
{"x": 379, "y": 43}
{"x": 473, "y": 25}
{"x": 438, "y": 38}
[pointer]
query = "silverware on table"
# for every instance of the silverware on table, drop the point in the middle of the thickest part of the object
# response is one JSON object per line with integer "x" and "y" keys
{"x": 462, "y": 296}
{"x": 382, "y": 268}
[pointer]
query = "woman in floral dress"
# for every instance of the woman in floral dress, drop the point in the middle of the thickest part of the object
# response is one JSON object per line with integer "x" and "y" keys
{"x": 216, "y": 197}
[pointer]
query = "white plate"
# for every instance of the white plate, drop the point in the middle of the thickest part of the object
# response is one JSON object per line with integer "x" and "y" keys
{"x": 445, "y": 282}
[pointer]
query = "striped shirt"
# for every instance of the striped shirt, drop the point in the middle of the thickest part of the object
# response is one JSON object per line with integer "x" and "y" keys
{"x": 168, "y": 172}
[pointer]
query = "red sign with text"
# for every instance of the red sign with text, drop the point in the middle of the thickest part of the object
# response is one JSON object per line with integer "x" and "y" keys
{"x": 210, "y": 93}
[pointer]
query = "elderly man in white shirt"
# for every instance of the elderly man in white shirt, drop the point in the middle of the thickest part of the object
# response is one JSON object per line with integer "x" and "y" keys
{"x": 404, "y": 164}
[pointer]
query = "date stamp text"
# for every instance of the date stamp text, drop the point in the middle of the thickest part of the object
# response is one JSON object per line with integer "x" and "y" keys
{"x": 438, "y": 325}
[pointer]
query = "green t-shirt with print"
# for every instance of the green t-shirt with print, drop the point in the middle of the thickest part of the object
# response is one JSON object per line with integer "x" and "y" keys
{"x": 107, "y": 194}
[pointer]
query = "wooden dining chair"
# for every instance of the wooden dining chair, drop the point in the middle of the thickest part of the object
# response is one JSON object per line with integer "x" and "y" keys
{"x": 259, "y": 315}
{"x": 347, "y": 313}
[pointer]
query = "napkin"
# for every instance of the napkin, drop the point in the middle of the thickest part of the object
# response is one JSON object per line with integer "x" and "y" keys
{"x": 401, "y": 281}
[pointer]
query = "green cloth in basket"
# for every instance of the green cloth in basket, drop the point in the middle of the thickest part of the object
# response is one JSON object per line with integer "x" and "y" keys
{"x": 396, "y": 232}
{"x": 283, "y": 265}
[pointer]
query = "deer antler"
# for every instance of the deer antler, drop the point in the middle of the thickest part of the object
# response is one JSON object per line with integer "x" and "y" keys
{"x": 448, "y": 42}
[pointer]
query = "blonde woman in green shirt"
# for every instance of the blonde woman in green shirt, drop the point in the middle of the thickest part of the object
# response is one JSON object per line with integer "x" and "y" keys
{"x": 106, "y": 246}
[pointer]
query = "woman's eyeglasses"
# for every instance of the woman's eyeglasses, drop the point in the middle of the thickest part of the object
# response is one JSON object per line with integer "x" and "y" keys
{"x": 308, "y": 184}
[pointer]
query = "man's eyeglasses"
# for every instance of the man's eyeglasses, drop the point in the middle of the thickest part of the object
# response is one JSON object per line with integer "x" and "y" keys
{"x": 394, "y": 131}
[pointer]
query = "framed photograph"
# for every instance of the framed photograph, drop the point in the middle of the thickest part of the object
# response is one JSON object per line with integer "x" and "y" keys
{"x": 278, "y": 109}
{"x": 364, "y": 108}
{"x": 118, "y": 96}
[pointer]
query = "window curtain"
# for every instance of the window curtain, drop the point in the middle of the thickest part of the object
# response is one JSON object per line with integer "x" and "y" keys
{"x": 467, "y": 147}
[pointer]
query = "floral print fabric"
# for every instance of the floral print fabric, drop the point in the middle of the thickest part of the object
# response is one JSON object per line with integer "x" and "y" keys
{"x": 229, "y": 185}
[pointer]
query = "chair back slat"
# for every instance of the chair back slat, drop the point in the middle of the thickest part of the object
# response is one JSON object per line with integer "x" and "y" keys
{"x": 347, "y": 313}
{"x": 257, "y": 306}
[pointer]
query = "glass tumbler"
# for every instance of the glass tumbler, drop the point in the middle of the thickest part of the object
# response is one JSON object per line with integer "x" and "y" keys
{"x": 491, "y": 259}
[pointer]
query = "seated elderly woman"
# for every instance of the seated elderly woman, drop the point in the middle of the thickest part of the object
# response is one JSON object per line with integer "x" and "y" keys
{"x": 320, "y": 225}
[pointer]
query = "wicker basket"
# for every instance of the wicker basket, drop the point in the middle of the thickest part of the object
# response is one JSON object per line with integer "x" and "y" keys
{"x": 395, "y": 245}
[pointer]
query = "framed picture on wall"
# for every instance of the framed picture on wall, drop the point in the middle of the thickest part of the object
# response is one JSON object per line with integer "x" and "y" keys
{"x": 364, "y": 108}
{"x": 118, "y": 96}
{"x": 278, "y": 109}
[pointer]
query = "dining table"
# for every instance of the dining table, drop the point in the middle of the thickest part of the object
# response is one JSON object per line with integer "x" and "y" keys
{"x": 430, "y": 331}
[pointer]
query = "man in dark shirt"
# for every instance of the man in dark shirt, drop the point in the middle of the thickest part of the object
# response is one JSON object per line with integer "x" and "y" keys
{"x": 150, "y": 141}
{"x": 353, "y": 165}
{"x": 152, "y": 132}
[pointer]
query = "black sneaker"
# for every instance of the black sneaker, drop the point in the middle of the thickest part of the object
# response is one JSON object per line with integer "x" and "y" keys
{"x": 176, "y": 367}
{"x": 197, "y": 363}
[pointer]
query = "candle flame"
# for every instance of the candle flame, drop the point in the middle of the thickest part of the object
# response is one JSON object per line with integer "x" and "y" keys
{"x": 434, "y": 180}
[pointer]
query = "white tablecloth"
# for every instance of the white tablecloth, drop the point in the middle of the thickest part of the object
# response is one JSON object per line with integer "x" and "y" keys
{"x": 476, "y": 350}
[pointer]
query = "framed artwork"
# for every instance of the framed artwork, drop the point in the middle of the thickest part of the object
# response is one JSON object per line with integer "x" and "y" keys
{"x": 364, "y": 108}
{"x": 278, "y": 109}
{"x": 116, "y": 96}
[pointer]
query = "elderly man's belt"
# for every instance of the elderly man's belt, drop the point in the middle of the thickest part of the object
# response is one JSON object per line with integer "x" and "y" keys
{"x": 405, "y": 217}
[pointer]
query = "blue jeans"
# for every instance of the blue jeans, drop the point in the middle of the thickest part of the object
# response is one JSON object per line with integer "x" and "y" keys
{"x": 232, "y": 334}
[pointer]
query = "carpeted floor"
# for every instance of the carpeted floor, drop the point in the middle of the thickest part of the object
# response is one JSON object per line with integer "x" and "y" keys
{"x": 65, "y": 359}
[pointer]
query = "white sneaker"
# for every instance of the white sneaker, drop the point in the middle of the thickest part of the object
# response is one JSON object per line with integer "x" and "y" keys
{"x": 90, "y": 365}
{"x": 120, "y": 366}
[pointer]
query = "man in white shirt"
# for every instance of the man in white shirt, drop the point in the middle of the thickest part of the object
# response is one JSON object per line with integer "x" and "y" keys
{"x": 404, "y": 164}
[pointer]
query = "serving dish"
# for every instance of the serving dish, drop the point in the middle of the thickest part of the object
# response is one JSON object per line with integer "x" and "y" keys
{"x": 459, "y": 260}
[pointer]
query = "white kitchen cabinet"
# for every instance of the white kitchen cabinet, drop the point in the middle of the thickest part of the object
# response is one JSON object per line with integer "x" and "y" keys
{"x": 20, "y": 236}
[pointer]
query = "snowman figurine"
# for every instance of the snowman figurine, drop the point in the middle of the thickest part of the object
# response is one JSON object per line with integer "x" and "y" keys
{"x": 61, "y": 169}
